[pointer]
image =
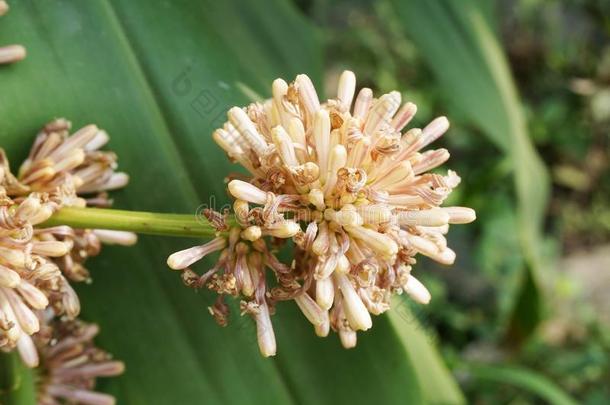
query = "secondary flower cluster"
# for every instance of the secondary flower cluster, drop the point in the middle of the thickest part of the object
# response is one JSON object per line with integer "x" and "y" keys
{"x": 35, "y": 262}
{"x": 71, "y": 364}
{"x": 9, "y": 53}
{"x": 352, "y": 190}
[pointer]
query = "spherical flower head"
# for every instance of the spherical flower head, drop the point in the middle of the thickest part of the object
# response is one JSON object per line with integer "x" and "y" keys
{"x": 36, "y": 262}
{"x": 353, "y": 189}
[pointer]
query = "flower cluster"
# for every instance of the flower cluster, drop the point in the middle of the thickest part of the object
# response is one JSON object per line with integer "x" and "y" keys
{"x": 37, "y": 262}
{"x": 349, "y": 186}
{"x": 71, "y": 363}
{"x": 9, "y": 53}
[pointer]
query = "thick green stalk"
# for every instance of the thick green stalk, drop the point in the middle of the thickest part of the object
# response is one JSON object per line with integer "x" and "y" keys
{"x": 152, "y": 223}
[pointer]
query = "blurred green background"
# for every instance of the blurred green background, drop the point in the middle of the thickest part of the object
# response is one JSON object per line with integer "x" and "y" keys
{"x": 523, "y": 316}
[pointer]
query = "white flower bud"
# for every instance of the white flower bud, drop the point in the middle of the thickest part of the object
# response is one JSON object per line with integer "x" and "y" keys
{"x": 323, "y": 329}
{"x": 325, "y": 293}
{"x": 346, "y": 89}
{"x": 12, "y": 53}
{"x": 400, "y": 174}
{"x": 264, "y": 331}
{"x": 355, "y": 310}
{"x": 363, "y": 103}
{"x": 381, "y": 112}
{"x": 430, "y": 217}
{"x": 322, "y": 242}
{"x": 338, "y": 159}
{"x": 343, "y": 265}
{"x": 8, "y": 314}
{"x": 100, "y": 139}
{"x": 321, "y": 138}
{"x": 348, "y": 338}
{"x": 28, "y": 208}
{"x": 3, "y": 9}
{"x": 70, "y": 300}
{"x": 26, "y": 318}
{"x": 9, "y": 278}
{"x": 434, "y": 130}
{"x": 311, "y": 309}
{"x": 70, "y": 161}
{"x": 416, "y": 290}
{"x": 379, "y": 242}
{"x": 27, "y": 351}
{"x": 247, "y": 129}
{"x": 284, "y": 230}
{"x": 252, "y": 233}
{"x": 307, "y": 94}
{"x": 184, "y": 258}
{"x": 284, "y": 146}
{"x": 347, "y": 216}
{"x": 14, "y": 258}
{"x": 460, "y": 215}
{"x": 247, "y": 192}
{"x": 316, "y": 198}
{"x": 75, "y": 142}
{"x": 50, "y": 248}
{"x": 33, "y": 296}
{"x": 241, "y": 210}
{"x": 404, "y": 116}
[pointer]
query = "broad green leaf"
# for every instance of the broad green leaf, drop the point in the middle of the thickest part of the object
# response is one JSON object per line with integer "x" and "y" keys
{"x": 521, "y": 378}
{"x": 159, "y": 77}
{"x": 442, "y": 389}
{"x": 16, "y": 381}
{"x": 455, "y": 39}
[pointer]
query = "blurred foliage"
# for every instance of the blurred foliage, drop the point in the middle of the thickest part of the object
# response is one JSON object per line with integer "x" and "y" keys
{"x": 559, "y": 53}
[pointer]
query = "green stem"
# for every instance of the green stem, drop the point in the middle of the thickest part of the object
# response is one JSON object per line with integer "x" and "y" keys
{"x": 151, "y": 223}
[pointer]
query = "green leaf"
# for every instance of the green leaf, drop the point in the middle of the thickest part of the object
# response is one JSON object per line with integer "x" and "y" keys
{"x": 522, "y": 378}
{"x": 159, "y": 77}
{"x": 442, "y": 388}
{"x": 16, "y": 381}
{"x": 455, "y": 39}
